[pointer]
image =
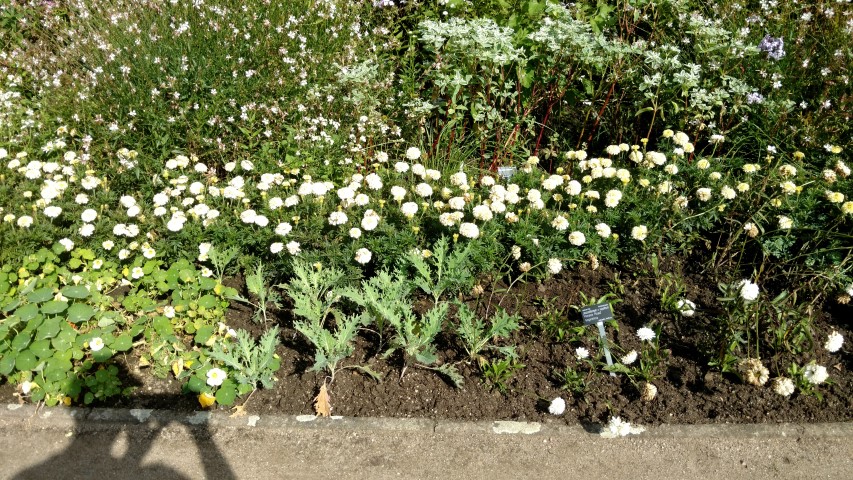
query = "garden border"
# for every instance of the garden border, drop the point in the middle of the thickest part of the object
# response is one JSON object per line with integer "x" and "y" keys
{"x": 106, "y": 418}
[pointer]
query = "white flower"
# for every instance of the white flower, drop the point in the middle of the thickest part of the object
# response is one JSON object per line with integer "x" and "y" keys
{"x": 581, "y": 353}
{"x": 783, "y": 386}
{"x": 617, "y": 428}
{"x": 686, "y": 307}
{"x": 629, "y": 357}
{"x": 748, "y": 290}
{"x": 516, "y": 252}
{"x": 554, "y": 265}
{"x": 137, "y": 273}
{"x": 728, "y": 192}
{"x": 785, "y": 223}
{"x": 169, "y": 311}
{"x": 612, "y": 198}
{"x": 639, "y": 232}
{"x": 276, "y": 247}
{"x": 815, "y": 374}
{"x": 401, "y": 167}
{"x": 456, "y": 203}
{"x": 26, "y": 386}
{"x": 283, "y": 229}
{"x": 370, "y": 220}
{"x": 603, "y": 230}
{"x": 413, "y": 153}
{"x": 754, "y": 372}
{"x": 354, "y": 232}
{"x": 557, "y": 406}
{"x": 560, "y": 223}
{"x": 24, "y": 221}
{"x": 577, "y": 238}
{"x": 469, "y": 230}
{"x": 704, "y": 194}
{"x": 203, "y": 250}
{"x": 398, "y": 193}
{"x": 482, "y": 212}
{"x": 293, "y": 248}
{"x": 107, "y": 245}
{"x": 248, "y": 216}
{"x": 215, "y": 377}
{"x": 409, "y": 209}
{"x": 834, "y": 342}
{"x": 337, "y": 218}
{"x": 67, "y": 243}
{"x": 363, "y": 255}
{"x": 52, "y": 211}
{"x": 262, "y": 221}
{"x": 646, "y": 334}
{"x": 96, "y": 344}
{"x": 423, "y": 190}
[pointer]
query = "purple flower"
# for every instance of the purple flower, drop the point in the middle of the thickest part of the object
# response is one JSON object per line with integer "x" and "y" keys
{"x": 754, "y": 97}
{"x": 775, "y": 47}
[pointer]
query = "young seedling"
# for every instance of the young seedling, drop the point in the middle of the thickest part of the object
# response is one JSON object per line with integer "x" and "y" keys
{"x": 256, "y": 284}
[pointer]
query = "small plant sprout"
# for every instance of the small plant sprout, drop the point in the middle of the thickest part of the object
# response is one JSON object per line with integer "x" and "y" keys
{"x": 221, "y": 258}
{"x": 256, "y": 284}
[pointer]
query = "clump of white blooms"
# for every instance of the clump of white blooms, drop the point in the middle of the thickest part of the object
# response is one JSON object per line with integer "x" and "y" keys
{"x": 617, "y": 428}
{"x": 469, "y": 230}
{"x": 686, "y": 307}
{"x": 363, "y": 256}
{"x": 834, "y": 342}
{"x": 648, "y": 392}
{"x": 783, "y": 386}
{"x": 754, "y": 372}
{"x": 646, "y": 334}
{"x": 629, "y": 357}
{"x": 815, "y": 374}
{"x": 557, "y": 406}
{"x": 748, "y": 290}
{"x": 581, "y": 353}
{"x": 554, "y": 265}
{"x": 639, "y": 232}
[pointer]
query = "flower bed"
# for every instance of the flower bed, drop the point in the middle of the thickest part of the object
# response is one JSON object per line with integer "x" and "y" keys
{"x": 427, "y": 249}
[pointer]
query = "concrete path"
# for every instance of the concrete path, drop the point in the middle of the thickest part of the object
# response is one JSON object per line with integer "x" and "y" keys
{"x": 68, "y": 444}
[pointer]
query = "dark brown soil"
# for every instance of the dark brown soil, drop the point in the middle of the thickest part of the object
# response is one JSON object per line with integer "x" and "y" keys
{"x": 689, "y": 391}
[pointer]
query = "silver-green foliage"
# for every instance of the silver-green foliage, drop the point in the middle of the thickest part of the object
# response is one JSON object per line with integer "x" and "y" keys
{"x": 250, "y": 363}
{"x": 385, "y": 298}
{"x": 257, "y": 286}
{"x": 331, "y": 347}
{"x": 476, "y": 335}
{"x": 314, "y": 292}
{"x": 444, "y": 270}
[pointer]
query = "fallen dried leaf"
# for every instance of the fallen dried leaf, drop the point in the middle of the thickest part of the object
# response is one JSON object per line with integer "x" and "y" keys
{"x": 322, "y": 402}
{"x": 239, "y": 411}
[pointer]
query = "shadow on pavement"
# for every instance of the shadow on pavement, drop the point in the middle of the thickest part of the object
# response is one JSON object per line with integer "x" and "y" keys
{"x": 113, "y": 449}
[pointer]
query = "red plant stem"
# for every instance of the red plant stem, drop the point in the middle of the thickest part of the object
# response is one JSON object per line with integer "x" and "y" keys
{"x": 601, "y": 112}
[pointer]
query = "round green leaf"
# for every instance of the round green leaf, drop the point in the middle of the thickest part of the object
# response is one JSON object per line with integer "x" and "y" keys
{"x": 41, "y": 348}
{"x": 21, "y": 341}
{"x": 226, "y": 394}
{"x": 80, "y": 312}
{"x": 203, "y": 334}
{"x": 207, "y": 301}
{"x": 7, "y": 363}
{"x": 27, "y": 312}
{"x": 26, "y": 360}
{"x": 122, "y": 343}
{"x": 102, "y": 355}
{"x": 64, "y": 340}
{"x": 196, "y": 384}
{"x": 40, "y": 295}
{"x": 55, "y": 371}
{"x": 48, "y": 329}
{"x": 53, "y": 307}
{"x": 75, "y": 291}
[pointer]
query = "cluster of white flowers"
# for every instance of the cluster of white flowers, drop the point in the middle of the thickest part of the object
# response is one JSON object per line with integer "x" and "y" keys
{"x": 616, "y": 427}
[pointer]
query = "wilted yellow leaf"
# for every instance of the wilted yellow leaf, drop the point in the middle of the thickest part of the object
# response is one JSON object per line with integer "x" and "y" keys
{"x": 239, "y": 411}
{"x": 206, "y": 400}
{"x": 322, "y": 402}
{"x": 178, "y": 366}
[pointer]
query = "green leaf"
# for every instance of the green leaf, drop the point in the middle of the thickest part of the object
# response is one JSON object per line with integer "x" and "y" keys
{"x": 40, "y": 295}
{"x": 7, "y": 363}
{"x": 21, "y": 341}
{"x": 207, "y": 301}
{"x": 53, "y": 307}
{"x": 196, "y": 384}
{"x": 203, "y": 334}
{"x": 102, "y": 355}
{"x": 27, "y": 312}
{"x": 64, "y": 340}
{"x": 41, "y": 348}
{"x": 25, "y": 361}
{"x": 55, "y": 370}
{"x": 48, "y": 329}
{"x": 75, "y": 291}
{"x": 206, "y": 283}
{"x": 226, "y": 394}
{"x": 122, "y": 343}
{"x": 80, "y": 312}
{"x": 163, "y": 326}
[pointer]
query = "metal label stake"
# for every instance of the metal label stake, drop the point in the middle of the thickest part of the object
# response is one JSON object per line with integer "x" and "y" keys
{"x": 598, "y": 314}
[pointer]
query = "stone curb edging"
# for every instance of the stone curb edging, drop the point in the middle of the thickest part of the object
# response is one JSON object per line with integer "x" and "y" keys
{"x": 62, "y": 418}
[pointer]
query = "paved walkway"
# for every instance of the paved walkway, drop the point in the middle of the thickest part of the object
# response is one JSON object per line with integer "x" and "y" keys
{"x": 142, "y": 444}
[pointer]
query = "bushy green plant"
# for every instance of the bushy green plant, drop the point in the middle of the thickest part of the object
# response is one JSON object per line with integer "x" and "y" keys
{"x": 476, "y": 335}
{"x": 251, "y": 363}
{"x": 256, "y": 284}
{"x": 445, "y": 270}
